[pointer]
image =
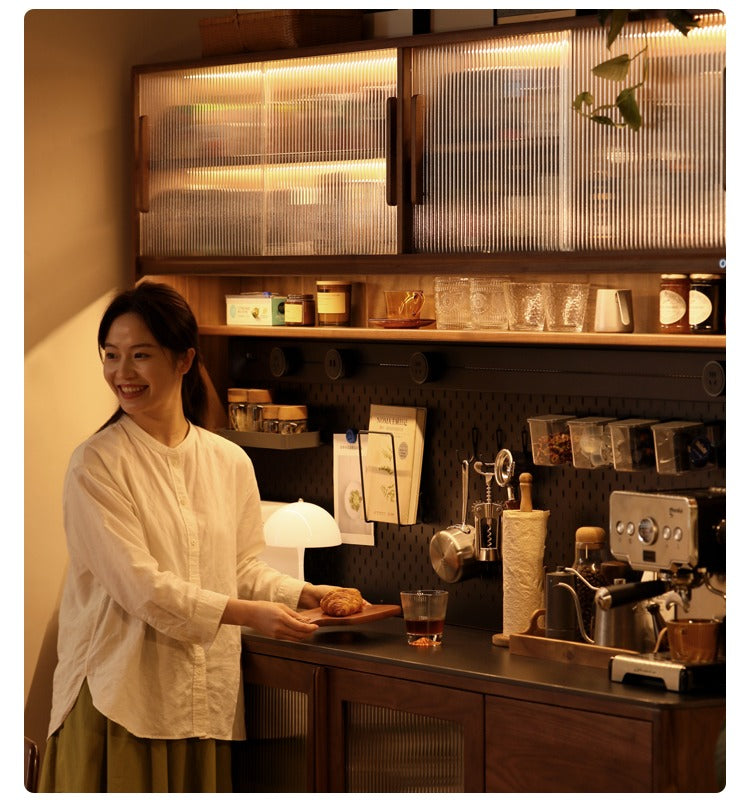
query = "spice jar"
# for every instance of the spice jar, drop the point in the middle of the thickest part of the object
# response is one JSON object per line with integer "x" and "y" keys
{"x": 590, "y": 554}
{"x": 706, "y": 303}
{"x": 299, "y": 310}
{"x": 244, "y": 408}
{"x": 334, "y": 303}
{"x": 292, "y": 419}
{"x": 673, "y": 302}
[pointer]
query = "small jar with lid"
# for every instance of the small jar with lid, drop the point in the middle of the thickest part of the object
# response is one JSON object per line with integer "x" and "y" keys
{"x": 292, "y": 419}
{"x": 706, "y": 304}
{"x": 590, "y": 554}
{"x": 299, "y": 310}
{"x": 245, "y": 408}
{"x": 674, "y": 295}
{"x": 334, "y": 303}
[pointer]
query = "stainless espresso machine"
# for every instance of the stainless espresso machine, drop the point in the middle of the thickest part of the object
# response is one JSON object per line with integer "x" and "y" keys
{"x": 680, "y": 536}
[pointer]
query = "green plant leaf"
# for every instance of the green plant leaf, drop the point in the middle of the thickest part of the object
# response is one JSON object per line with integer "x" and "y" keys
{"x": 628, "y": 107}
{"x": 619, "y": 18}
{"x": 583, "y": 98}
{"x": 615, "y": 69}
{"x": 682, "y": 20}
{"x": 603, "y": 119}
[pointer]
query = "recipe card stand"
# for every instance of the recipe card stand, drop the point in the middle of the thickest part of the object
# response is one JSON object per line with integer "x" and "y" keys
{"x": 382, "y": 474}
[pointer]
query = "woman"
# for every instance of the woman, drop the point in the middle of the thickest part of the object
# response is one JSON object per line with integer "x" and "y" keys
{"x": 163, "y": 526}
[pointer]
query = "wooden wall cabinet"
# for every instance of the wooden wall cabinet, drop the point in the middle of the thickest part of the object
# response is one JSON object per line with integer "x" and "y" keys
{"x": 390, "y": 161}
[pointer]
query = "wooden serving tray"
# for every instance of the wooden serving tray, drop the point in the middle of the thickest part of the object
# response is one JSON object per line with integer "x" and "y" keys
{"x": 369, "y": 613}
{"x": 532, "y": 642}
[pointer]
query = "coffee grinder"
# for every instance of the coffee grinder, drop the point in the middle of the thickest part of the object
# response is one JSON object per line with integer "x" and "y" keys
{"x": 680, "y": 536}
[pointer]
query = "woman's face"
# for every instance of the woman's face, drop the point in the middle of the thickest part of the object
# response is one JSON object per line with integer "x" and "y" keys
{"x": 146, "y": 377}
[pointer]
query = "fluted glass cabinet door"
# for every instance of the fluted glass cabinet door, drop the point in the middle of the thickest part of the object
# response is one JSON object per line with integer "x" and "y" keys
{"x": 286, "y": 157}
{"x": 491, "y": 167}
{"x": 501, "y": 162}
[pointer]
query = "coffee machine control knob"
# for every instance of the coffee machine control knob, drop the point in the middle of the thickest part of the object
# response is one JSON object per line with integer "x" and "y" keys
{"x": 648, "y": 531}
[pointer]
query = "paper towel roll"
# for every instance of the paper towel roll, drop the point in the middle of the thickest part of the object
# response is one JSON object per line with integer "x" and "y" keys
{"x": 524, "y": 535}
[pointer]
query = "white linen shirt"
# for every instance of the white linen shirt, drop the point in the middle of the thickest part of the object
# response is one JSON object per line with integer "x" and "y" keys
{"x": 159, "y": 538}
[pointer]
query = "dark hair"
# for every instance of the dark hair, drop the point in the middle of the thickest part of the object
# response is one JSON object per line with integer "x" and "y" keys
{"x": 171, "y": 321}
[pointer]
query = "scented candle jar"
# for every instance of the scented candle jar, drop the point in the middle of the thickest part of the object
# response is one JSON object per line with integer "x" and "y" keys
{"x": 334, "y": 303}
{"x": 299, "y": 310}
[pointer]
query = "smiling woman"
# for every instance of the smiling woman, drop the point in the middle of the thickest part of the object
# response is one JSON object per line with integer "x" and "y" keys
{"x": 164, "y": 529}
{"x": 145, "y": 331}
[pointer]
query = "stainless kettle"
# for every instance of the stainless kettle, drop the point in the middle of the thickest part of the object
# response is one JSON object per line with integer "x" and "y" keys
{"x": 633, "y": 626}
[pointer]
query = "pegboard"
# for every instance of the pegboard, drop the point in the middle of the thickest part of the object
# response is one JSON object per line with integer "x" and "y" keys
{"x": 400, "y": 557}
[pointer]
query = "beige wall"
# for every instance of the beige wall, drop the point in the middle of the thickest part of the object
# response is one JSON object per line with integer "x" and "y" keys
{"x": 77, "y": 252}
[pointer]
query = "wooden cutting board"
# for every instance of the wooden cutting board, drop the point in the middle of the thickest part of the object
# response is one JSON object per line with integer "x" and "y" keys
{"x": 369, "y": 613}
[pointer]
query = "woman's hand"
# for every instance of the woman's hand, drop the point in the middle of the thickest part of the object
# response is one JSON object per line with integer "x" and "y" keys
{"x": 270, "y": 619}
{"x": 311, "y": 596}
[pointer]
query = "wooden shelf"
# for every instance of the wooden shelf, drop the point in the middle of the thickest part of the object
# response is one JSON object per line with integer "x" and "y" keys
{"x": 277, "y": 442}
{"x": 499, "y": 337}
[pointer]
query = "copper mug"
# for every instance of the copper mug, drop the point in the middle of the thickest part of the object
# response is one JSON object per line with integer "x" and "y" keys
{"x": 691, "y": 641}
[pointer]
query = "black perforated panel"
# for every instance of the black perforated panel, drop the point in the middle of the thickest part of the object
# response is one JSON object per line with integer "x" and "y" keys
{"x": 400, "y": 558}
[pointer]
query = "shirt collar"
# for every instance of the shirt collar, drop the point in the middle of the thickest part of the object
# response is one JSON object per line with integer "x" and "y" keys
{"x": 132, "y": 428}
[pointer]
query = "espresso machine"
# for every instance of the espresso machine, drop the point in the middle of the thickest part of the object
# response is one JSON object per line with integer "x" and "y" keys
{"x": 680, "y": 537}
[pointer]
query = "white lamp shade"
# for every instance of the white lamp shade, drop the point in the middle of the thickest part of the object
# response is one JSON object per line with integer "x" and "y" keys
{"x": 301, "y": 525}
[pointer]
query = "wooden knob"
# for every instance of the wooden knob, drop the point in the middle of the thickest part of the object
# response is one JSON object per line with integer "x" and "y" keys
{"x": 525, "y": 482}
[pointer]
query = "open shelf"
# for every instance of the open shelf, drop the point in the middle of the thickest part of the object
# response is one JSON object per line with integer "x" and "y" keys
{"x": 499, "y": 337}
{"x": 278, "y": 442}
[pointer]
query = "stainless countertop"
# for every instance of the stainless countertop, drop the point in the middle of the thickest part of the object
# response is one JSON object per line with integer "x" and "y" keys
{"x": 466, "y": 653}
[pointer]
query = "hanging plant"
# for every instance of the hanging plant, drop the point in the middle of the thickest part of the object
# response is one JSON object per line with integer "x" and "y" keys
{"x": 618, "y": 69}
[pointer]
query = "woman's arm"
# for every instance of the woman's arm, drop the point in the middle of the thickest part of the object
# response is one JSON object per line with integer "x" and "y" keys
{"x": 271, "y": 619}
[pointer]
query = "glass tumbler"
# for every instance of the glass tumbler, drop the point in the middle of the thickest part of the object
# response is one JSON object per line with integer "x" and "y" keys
{"x": 488, "y": 307}
{"x": 565, "y": 305}
{"x": 452, "y": 302}
{"x": 525, "y": 306}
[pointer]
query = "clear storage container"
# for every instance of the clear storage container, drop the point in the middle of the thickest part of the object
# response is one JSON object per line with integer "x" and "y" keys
{"x": 550, "y": 439}
{"x": 632, "y": 444}
{"x": 590, "y": 442}
{"x": 676, "y": 442}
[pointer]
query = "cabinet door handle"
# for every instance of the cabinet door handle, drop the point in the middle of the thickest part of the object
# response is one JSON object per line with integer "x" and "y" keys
{"x": 142, "y": 161}
{"x": 391, "y": 160}
{"x": 417, "y": 149}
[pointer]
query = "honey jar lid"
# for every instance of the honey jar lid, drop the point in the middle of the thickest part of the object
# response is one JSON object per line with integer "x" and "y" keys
{"x": 674, "y": 276}
{"x": 236, "y": 396}
{"x": 248, "y": 396}
{"x": 258, "y": 396}
{"x": 292, "y": 412}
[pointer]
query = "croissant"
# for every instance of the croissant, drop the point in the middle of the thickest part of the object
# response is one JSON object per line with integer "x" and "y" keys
{"x": 342, "y": 602}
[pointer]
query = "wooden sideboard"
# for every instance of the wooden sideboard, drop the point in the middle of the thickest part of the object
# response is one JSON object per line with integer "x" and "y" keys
{"x": 358, "y": 710}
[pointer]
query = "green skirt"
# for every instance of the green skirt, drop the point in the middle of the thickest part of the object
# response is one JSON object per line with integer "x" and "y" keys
{"x": 90, "y": 753}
